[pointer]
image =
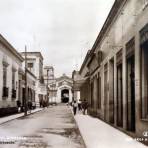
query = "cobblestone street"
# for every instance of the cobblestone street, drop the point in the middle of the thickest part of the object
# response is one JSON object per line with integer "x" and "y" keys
{"x": 53, "y": 127}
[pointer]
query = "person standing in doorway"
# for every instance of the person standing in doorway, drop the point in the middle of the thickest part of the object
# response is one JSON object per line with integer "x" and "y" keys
{"x": 75, "y": 105}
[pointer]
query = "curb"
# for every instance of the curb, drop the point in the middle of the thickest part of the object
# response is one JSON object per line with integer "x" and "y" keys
{"x": 19, "y": 117}
{"x": 78, "y": 128}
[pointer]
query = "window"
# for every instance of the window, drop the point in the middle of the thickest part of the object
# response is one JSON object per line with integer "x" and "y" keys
{"x": 13, "y": 79}
{"x": 4, "y": 76}
{"x": 5, "y": 89}
{"x": 13, "y": 84}
{"x": 30, "y": 65}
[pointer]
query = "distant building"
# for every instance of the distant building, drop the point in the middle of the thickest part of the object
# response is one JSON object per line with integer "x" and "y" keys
{"x": 10, "y": 67}
{"x": 35, "y": 66}
{"x": 77, "y": 79}
{"x": 35, "y": 63}
{"x": 48, "y": 74}
{"x": 31, "y": 87}
{"x": 60, "y": 89}
{"x": 64, "y": 89}
{"x": 81, "y": 80}
{"x": 50, "y": 81}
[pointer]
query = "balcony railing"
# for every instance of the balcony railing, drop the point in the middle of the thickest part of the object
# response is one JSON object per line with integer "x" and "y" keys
{"x": 5, "y": 91}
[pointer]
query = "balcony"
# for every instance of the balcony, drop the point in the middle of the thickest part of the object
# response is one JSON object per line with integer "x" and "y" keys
{"x": 5, "y": 91}
{"x": 13, "y": 93}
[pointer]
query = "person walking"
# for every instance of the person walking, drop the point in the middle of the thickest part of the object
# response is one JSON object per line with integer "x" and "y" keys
{"x": 79, "y": 105}
{"x": 75, "y": 105}
{"x": 85, "y": 106}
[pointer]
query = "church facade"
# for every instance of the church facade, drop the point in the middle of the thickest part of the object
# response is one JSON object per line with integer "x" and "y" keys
{"x": 60, "y": 90}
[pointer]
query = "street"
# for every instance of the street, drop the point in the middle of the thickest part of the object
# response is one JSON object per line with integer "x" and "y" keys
{"x": 52, "y": 127}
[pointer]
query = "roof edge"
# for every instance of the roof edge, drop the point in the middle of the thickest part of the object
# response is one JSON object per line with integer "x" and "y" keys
{"x": 11, "y": 48}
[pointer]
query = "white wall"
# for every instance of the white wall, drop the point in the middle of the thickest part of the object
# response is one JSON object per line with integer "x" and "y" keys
{"x": 13, "y": 61}
{"x": 59, "y": 93}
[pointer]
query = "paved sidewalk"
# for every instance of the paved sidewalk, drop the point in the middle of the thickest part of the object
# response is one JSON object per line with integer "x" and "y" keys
{"x": 98, "y": 134}
{"x": 11, "y": 117}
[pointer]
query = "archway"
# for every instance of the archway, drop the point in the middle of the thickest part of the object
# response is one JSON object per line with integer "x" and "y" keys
{"x": 65, "y": 96}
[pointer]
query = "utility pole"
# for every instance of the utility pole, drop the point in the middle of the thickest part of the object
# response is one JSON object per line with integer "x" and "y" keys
{"x": 26, "y": 91}
{"x": 47, "y": 88}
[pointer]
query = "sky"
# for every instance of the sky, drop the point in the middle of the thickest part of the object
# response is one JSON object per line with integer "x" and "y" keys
{"x": 62, "y": 30}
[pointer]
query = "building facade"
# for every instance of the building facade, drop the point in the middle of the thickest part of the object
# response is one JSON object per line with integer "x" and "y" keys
{"x": 64, "y": 89}
{"x": 50, "y": 82}
{"x": 48, "y": 74}
{"x": 60, "y": 90}
{"x": 10, "y": 65}
{"x": 35, "y": 66}
{"x": 115, "y": 69}
{"x": 77, "y": 83}
{"x": 31, "y": 88}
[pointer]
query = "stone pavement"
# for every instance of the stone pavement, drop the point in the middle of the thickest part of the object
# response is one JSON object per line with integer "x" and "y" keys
{"x": 53, "y": 127}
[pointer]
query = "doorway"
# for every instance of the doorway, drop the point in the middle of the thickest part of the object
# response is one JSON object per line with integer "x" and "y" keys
{"x": 105, "y": 91}
{"x": 111, "y": 91}
{"x": 99, "y": 90}
{"x": 65, "y": 96}
{"x": 23, "y": 96}
{"x": 131, "y": 93}
{"x": 119, "y": 96}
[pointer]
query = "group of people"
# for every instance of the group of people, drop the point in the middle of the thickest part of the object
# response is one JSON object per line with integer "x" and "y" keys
{"x": 30, "y": 105}
{"x": 43, "y": 103}
{"x": 81, "y": 106}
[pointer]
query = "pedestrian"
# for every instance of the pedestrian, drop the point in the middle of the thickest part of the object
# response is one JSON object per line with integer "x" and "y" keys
{"x": 44, "y": 103}
{"x": 75, "y": 105}
{"x": 85, "y": 106}
{"x": 18, "y": 105}
{"x": 41, "y": 105}
{"x": 30, "y": 105}
{"x": 79, "y": 105}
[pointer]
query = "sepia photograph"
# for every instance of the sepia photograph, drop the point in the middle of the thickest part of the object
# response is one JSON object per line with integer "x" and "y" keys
{"x": 73, "y": 74}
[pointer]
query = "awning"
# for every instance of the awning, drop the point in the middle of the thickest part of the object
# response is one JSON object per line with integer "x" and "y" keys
{"x": 80, "y": 82}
